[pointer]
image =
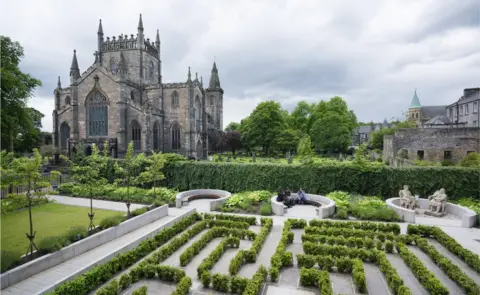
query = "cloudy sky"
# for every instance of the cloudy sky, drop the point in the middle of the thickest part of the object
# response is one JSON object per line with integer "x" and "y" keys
{"x": 373, "y": 53}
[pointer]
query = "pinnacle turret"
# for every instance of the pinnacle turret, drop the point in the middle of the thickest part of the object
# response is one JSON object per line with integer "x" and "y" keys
{"x": 74, "y": 70}
{"x": 157, "y": 40}
{"x": 100, "y": 28}
{"x": 59, "y": 84}
{"x": 189, "y": 79}
{"x": 214, "y": 79}
{"x": 140, "y": 23}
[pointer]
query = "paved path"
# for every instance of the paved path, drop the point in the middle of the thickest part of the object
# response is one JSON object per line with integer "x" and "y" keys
{"x": 41, "y": 282}
{"x": 99, "y": 204}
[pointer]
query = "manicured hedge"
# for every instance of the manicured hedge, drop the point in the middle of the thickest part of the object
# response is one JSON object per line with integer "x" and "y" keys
{"x": 312, "y": 277}
{"x": 371, "y": 181}
{"x": 355, "y": 225}
{"x": 281, "y": 257}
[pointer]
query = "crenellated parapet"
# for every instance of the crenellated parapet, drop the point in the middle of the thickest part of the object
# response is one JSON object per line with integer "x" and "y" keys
{"x": 124, "y": 42}
{"x": 174, "y": 85}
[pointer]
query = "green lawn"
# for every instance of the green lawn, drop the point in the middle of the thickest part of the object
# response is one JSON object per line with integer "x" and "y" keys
{"x": 48, "y": 220}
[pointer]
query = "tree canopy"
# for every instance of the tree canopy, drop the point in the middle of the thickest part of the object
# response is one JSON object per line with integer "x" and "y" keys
{"x": 20, "y": 125}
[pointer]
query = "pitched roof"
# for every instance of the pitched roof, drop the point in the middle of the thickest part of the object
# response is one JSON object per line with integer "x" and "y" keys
{"x": 439, "y": 120}
{"x": 415, "y": 101}
{"x": 433, "y": 111}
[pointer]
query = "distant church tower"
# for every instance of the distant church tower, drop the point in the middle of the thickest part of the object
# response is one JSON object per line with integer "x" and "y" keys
{"x": 414, "y": 111}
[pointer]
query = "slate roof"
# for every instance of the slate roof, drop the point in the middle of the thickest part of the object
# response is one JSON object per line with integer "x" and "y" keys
{"x": 472, "y": 97}
{"x": 439, "y": 120}
{"x": 433, "y": 111}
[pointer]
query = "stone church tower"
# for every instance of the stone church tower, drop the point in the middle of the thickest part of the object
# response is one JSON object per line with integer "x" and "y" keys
{"x": 121, "y": 98}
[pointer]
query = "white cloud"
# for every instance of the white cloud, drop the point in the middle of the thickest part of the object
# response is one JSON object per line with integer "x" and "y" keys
{"x": 373, "y": 54}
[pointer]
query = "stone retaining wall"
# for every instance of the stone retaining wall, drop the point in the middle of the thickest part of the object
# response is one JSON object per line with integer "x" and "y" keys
{"x": 45, "y": 262}
{"x": 215, "y": 203}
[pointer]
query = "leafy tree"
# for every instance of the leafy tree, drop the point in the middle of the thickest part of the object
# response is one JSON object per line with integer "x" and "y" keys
{"x": 333, "y": 125}
{"x": 129, "y": 171}
{"x": 263, "y": 125}
{"x": 376, "y": 137}
{"x": 234, "y": 140}
{"x": 287, "y": 140}
{"x": 88, "y": 175}
{"x": 301, "y": 117}
{"x": 233, "y": 126}
{"x": 18, "y": 122}
{"x": 154, "y": 170}
{"x": 304, "y": 150}
{"x": 471, "y": 160}
{"x": 27, "y": 172}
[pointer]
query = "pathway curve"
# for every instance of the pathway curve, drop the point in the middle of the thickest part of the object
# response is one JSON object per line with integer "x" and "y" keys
{"x": 99, "y": 204}
{"x": 46, "y": 280}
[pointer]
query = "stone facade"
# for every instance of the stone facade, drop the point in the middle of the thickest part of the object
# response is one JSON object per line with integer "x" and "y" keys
{"x": 121, "y": 98}
{"x": 432, "y": 144}
{"x": 466, "y": 110}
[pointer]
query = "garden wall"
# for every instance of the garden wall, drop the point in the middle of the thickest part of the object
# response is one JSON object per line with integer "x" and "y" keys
{"x": 45, "y": 262}
{"x": 321, "y": 179}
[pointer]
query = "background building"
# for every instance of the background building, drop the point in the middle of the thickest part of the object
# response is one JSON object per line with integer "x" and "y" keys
{"x": 465, "y": 111}
{"x": 422, "y": 114}
{"x": 121, "y": 98}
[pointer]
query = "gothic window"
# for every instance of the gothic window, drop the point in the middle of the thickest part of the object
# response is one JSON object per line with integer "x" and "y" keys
{"x": 113, "y": 65}
{"x": 175, "y": 136}
{"x": 64, "y": 135}
{"x": 198, "y": 113}
{"x": 136, "y": 135}
{"x": 97, "y": 110}
{"x": 175, "y": 101}
{"x": 211, "y": 100}
{"x": 132, "y": 96}
{"x": 150, "y": 70}
{"x": 67, "y": 100}
{"x": 156, "y": 136}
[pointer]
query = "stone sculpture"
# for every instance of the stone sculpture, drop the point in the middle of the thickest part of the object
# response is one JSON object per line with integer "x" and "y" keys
{"x": 437, "y": 203}
{"x": 406, "y": 199}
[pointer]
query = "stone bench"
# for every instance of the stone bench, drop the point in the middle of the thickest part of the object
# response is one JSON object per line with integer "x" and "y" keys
{"x": 325, "y": 206}
{"x": 278, "y": 208}
{"x": 218, "y": 197}
{"x": 468, "y": 216}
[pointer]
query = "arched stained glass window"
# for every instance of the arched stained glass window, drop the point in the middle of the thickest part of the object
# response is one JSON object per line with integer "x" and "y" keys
{"x": 175, "y": 136}
{"x": 150, "y": 70}
{"x": 198, "y": 114}
{"x": 136, "y": 135}
{"x": 156, "y": 136}
{"x": 67, "y": 100}
{"x": 64, "y": 135}
{"x": 97, "y": 110}
{"x": 175, "y": 102}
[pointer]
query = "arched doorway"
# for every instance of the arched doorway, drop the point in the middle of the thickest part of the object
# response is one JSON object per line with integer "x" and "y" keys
{"x": 64, "y": 135}
{"x": 136, "y": 135}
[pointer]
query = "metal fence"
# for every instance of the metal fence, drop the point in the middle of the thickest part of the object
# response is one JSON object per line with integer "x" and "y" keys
{"x": 22, "y": 189}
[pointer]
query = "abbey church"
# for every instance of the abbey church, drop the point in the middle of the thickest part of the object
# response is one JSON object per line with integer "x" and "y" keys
{"x": 121, "y": 98}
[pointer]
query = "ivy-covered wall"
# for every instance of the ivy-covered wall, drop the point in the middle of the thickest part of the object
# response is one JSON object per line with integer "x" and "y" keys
{"x": 322, "y": 179}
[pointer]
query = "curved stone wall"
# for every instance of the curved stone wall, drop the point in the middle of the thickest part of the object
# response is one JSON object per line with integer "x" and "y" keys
{"x": 327, "y": 208}
{"x": 203, "y": 194}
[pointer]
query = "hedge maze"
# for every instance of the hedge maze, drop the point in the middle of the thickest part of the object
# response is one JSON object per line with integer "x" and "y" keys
{"x": 205, "y": 254}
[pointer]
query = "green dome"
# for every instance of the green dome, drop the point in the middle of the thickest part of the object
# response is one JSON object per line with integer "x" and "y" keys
{"x": 415, "y": 101}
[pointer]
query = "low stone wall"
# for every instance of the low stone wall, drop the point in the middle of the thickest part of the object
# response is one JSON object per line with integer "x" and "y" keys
{"x": 406, "y": 215}
{"x": 327, "y": 208}
{"x": 38, "y": 265}
{"x": 215, "y": 203}
{"x": 468, "y": 216}
{"x": 278, "y": 208}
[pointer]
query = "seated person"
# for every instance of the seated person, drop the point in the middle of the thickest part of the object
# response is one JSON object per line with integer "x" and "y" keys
{"x": 302, "y": 196}
{"x": 281, "y": 196}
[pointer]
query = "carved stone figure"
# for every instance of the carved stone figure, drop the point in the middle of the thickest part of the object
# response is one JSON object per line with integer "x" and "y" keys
{"x": 438, "y": 201}
{"x": 406, "y": 199}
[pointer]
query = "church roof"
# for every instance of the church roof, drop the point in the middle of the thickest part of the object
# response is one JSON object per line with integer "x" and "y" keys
{"x": 415, "y": 101}
{"x": 433, "y": 111}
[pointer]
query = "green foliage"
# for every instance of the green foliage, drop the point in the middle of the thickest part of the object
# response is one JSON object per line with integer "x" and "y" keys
{"x": 371, "y": 181}
{"x": 254, "y": 285}
{"x": 304, "y": 150}
{"x": 15, "y": 202}
{"x": 139, "y": 211}
{"x": 394, "y": 281}
{"x": 183, "y": 286}
{"x": 140, "y": 291}
{"x": 153, "y": 171}
{"x": 8, "y": 259}
{"x": 341, "y": 199}
{"x": 125, "y": 281}
{"x": 51, "y": 244}
{"x": 471, "y": 160}
{"x": 341, "y": 214}
{"x": 110, "y": 289}
{"x": 376, "y": 137}
{"x": 233, "y": 126}
{"x": 206, "y": 279}
{"x": 111, "y": 221}
{"x": 220, "y": 282}
{"x": 286, "y": 140}
{"x": 75, "y": 233}
{"x": 20, "y": 124}
{"x": 266, "y": 209}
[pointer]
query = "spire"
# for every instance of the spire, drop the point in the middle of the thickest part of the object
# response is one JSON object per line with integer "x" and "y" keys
{"x": 157, "y": 40}
{"x": 140, "y": 23}
{"x": 214, "y": 79}
{"x": 415, "y": 101}
{"x": 59, "y": 84}
{"x": 74, "y": 70}
{"x": 189, "y": 75}
{"x": 100, "y": 28}
{"x": 201, "y": 81}
{"x": 385, "y": 123}
{"x": 196, "y": 76}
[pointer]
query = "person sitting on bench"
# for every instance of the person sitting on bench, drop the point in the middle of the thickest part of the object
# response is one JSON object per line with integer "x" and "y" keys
{"x": 281, "y": 196}
{"x": 302, "y": 196}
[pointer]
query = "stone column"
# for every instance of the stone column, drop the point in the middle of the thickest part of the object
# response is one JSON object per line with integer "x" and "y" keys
{"x": 121, "y": 133}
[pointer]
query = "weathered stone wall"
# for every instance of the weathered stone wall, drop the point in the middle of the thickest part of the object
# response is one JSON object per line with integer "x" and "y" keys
{"x": 434, "y": 142}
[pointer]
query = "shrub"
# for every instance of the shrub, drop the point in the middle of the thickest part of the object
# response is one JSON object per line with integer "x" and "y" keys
{"x": 266, "y": 209}
{"x": 220, "y": 282}
{"x": 358, "y": 273}
{"x": 125, "y": 281}
{"x": 341, "y": 214}
{"x": 76, "y": 233}
{"x": 8, "y": 259}
{"x": 15, "y": 202}
{"x": 183, "y": 286}
{"x": 110, "y": 289}
{"x": 140, "y": 291}
{"x": 138, "y": 211}
{"x": 206, "y": 279}
{"x": 254, "y": 285}
{"x": 111, "y": 221}
{"x": 389, "y": 247}
{"x": 324, "y": 283}
{"x": 308, "y": 277}
{"x": 238, "y": 284}
{"x": 50, "y": 244}
{"x": 341, "y": 199}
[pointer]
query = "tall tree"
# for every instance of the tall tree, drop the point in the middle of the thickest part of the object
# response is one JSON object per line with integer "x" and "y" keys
{"x": 234, "y": 140}
{"x": 304, "y": 149}
{"x": 16, "y": 88}
{"x": 154, "y": 170}
{"x": 263, "y": 125}
{"x": 301, "y": 117}
{"x": 233, "y": 126}
{"x": 333, "y": 125}
{"x": 287, "y": 140}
